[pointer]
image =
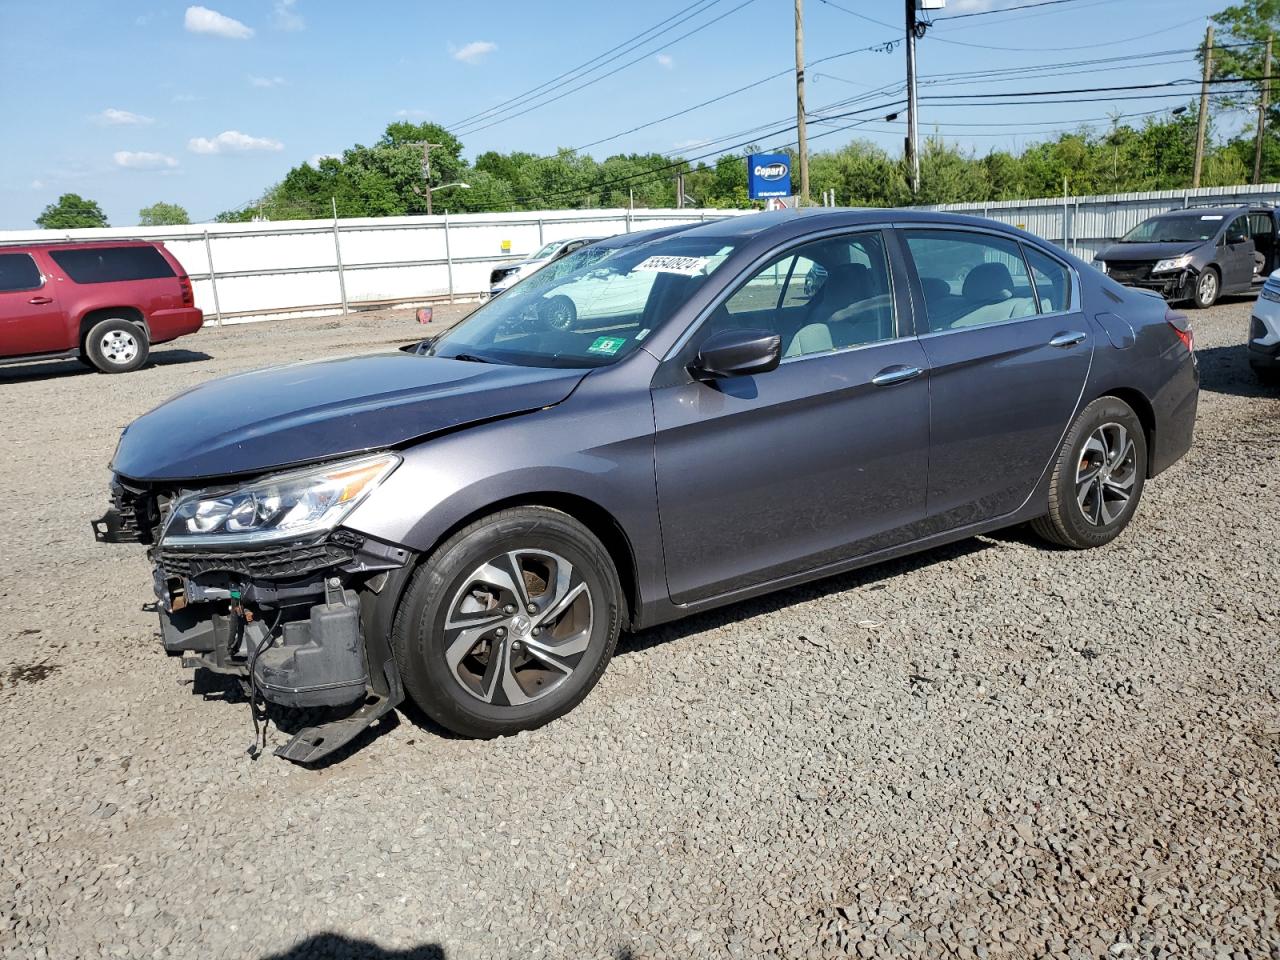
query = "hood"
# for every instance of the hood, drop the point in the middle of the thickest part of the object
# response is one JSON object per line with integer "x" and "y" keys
{"x": 1149, "y": 251}
{"x": 303, "y": 412}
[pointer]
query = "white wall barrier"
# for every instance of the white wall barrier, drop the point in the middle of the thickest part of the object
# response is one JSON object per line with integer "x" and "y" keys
{"x": 249, "y": 271}
{"x": 1084, "y": 225}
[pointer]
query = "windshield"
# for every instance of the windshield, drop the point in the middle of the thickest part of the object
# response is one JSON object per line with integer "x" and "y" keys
{"x": 590, "y": 316}
{"x": 546, "y": 251}
{"x": 1185, "y": 227}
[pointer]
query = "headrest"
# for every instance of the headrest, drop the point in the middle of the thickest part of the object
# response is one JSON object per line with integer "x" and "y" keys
{"x": 849, "y": 282}
{"x": 935, "y": 288}
{"x": 989, "y": 283}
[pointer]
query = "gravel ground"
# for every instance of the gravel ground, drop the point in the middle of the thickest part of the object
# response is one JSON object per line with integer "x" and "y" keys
{"x": 992, "y": 749}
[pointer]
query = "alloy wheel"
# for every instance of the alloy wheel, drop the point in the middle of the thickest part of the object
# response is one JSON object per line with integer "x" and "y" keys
{"x": 1106, "y": 474}
{"x": 518, "y": 627}
{"x": 119, "y": 348}
{"x": 1208, "y": 286}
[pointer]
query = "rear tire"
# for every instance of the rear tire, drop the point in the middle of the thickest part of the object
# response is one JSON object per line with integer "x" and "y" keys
{"x": 509, "y": 624}
{"x": 1098, "y": 477}
{"x": 116, "y": 345}
{"x": 1208, "y": 289}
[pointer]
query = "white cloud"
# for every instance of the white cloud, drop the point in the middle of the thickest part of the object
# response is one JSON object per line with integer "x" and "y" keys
{"x": 971, "y": 6}
{"x": 266, "y": 81}
{"x": 232, "y": 141}
{"x": 142, "y": 160}
{"x": 475, "y": 51}
{"x": 204, "y": 20}
{"x": 316, "y": 158}
{"x": 121, "y": 118}
{"x": 664, "y": 60}
{"x": 37, "y": 184}
{"x": 286, "y": 18}
{"x": 411, "y": 112}
{"x": 185, "y": 98}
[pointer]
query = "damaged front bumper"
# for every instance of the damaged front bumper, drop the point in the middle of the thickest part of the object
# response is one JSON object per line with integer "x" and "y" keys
{"x": 302, "y": 625}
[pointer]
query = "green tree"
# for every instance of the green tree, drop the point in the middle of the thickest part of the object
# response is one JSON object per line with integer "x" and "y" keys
{"x": 162, "y": 215}
{"x": 1238, "y": 53}
{"x": 70, "y": 212}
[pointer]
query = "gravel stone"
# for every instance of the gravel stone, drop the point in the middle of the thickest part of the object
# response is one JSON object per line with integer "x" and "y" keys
{"x": 993, "y": 749}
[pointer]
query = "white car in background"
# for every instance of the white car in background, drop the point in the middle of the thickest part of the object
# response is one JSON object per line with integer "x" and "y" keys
{"x": 506, "y": 276}
{"x": 1264, "y": 332}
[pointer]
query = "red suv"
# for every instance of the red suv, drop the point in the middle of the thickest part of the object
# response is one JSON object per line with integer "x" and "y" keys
{"x": 103, "y": 302}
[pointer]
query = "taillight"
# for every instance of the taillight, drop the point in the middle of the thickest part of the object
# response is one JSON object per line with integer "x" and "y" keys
{"x": 188, "y": 296}
{"x": 1181, "y": 328}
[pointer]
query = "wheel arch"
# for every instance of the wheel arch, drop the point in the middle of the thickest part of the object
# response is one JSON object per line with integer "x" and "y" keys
{"x": 1142, "y": 406}
{"x": 98, "y": 314}
{"x": 599, "y": 521}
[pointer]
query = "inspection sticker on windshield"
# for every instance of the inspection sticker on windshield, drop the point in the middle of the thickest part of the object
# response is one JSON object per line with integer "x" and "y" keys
{"x": 1216, "y": 216}
{"x": 685, "y": 266}
{"x": 606, "y": 345}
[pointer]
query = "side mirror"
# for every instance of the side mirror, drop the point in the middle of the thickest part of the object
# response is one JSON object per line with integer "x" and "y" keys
{"x": 737, "y": 353}
{"x": 419, "y": 347}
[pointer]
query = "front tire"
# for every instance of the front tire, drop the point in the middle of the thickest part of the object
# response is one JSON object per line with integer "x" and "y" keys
{"x": 116, "y": 345}
{"x": 1098, "y": 477}
{"x": 509, "y": 624}
{"x": 1208, "y": 288}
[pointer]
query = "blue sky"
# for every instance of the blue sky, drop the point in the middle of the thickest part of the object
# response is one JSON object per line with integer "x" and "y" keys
{"x": 206, "y": 105}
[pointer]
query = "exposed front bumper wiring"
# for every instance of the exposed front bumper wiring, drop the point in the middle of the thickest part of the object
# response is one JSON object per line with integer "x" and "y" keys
{"x": 301, "y": 625}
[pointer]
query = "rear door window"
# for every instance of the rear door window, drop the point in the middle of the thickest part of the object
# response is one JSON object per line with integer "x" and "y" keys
{"x": 970, "y": 279}
{"x": 111, "y": 264}
{"x": 18, "y": 272}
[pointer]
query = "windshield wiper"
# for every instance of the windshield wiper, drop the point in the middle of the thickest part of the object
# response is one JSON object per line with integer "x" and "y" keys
{"x": 472, "y": 358}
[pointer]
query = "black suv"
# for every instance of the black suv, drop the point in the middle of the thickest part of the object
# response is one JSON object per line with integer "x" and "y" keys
{"x": 1196, "y": 254}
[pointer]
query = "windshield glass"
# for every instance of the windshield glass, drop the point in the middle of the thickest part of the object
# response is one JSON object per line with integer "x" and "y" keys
{"x": 590, "y": 316}
{"x": 1184, "y": 227}
{"x": 546, "y": 251}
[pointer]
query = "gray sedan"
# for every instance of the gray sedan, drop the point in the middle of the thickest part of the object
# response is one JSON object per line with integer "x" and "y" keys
{"x": 736, "y": 408}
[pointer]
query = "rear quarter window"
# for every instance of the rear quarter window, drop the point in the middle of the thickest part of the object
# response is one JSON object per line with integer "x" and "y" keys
{"x": 110, "y": 264}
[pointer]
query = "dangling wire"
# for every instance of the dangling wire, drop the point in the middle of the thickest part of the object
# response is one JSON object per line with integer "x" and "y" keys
{"x": 259, "y": 736}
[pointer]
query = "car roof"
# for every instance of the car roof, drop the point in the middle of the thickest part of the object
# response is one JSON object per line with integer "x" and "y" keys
{"x": 753, "y": 224}
{"x": 73, "y": 244}
{"x": 1213, "y": 211}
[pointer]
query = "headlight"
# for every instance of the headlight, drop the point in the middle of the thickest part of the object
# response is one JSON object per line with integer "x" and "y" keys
{"x": 1172, "y": 263}
{"x": 283, "y": 507}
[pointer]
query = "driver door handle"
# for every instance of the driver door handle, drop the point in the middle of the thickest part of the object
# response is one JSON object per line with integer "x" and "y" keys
{"x": 899, "y": 373}
{"x": 1068, "y": 339}
{"x": 40, "y": 300}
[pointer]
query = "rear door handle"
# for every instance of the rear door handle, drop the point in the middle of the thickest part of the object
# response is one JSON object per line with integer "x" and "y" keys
{"x": 1068, "y": 339}
{"x": 40, "y": 300}
{"x": 899, "y": 373}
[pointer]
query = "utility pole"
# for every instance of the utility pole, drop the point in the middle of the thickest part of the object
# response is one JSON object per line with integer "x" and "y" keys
{"x": 913, "y": 133}
{"x": 679, "y": 191}
{"x": 426, "y": 167}
{"x": 1204, "y": 106}
{"x": 1262, "y": 113}
{"x": 801, "y": 138}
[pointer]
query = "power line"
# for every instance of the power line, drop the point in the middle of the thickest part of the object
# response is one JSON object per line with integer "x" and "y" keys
{"x": 497, "y": 119}
{"x": 1083, "y": 46}
{"x": 984, "y": 13}
{"x": 594, "y": 60}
